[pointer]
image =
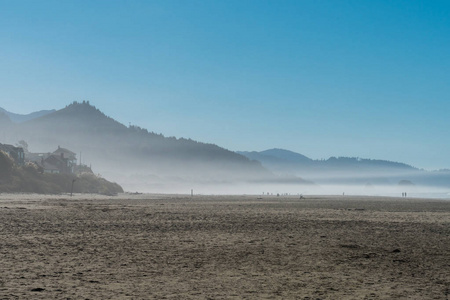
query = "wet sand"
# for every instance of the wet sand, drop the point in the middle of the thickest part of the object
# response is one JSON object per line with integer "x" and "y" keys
{"x": 223, "y": 247}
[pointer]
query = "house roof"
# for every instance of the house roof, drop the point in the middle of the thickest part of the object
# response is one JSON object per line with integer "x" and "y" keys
{"x": 65, "y": 151}
{"x": 9, "y": 148}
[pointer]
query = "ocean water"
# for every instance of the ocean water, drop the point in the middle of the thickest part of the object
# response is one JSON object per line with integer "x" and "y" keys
{"x": 386, "y": 191}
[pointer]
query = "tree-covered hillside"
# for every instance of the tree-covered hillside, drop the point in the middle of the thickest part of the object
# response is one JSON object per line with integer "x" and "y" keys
{"x": 28, "y": 179}
{"x": 114, "y": 147}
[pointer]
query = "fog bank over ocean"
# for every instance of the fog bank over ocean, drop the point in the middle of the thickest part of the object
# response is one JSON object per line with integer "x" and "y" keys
{"x": 134, "y": 184}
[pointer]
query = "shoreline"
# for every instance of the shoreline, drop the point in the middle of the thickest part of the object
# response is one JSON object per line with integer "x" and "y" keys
{"x": 280, "y": 196}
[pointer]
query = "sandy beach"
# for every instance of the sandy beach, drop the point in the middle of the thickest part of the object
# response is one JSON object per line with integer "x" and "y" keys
{"x": 223, "y": 247}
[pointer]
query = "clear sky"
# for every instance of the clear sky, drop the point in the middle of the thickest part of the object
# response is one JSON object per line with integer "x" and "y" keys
{"x": 323, "y": 78}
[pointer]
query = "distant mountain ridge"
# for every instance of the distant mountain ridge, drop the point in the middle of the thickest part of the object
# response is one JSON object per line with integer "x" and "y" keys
{"x": 289, "y": 160}
{"x": 345, "y": 170}
{"x": 19, "y": 118}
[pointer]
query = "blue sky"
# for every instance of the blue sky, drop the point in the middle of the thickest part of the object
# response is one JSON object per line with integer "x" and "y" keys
{"x": 323, "y": 78}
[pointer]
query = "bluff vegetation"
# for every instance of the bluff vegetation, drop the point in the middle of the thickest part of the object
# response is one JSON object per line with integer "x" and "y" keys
{"x": 28, "y": 179}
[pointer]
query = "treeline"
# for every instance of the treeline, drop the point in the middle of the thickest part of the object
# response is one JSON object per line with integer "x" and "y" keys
{"x": 28, "y": 179}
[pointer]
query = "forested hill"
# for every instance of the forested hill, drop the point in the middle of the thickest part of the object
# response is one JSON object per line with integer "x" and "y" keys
{"x": 110, "y": 145}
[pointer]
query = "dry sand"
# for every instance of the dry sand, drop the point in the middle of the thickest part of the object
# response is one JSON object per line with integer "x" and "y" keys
{"x": 223, "y": 247}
